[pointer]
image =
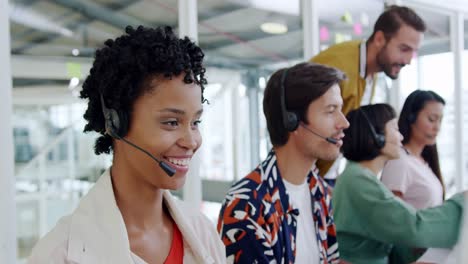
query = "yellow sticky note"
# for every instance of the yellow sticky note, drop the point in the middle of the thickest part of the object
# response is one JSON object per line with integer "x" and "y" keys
{"x": 347, "y": 17}
{"x": 339, "y": 38}
{"x": 73, "y": 69}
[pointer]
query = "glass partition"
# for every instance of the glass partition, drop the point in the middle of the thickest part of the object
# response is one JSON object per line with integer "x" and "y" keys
{"x": 244, "y": 42}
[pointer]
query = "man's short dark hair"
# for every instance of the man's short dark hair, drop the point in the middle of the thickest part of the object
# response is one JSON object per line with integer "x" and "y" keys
{"x": 390, "y": 21}
{"x": 303, "y": 84}
{"x": 359, "y": 143}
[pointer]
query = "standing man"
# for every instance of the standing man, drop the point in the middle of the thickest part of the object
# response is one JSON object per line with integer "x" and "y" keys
{"x": 397, "y": 35}
{"x": 281, "y": 212}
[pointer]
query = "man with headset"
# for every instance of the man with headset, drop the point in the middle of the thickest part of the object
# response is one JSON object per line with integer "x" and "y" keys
{"x": 397, "y": 35}
{"x": 281, "y": 212}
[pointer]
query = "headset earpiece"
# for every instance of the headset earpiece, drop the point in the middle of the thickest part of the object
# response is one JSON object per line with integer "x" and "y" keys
{"x": 113, "y": 124}
{"x": 379, "y": 139}
{"x": 290, "y": 120}
{"x": 116, "y": 126}
{"x": 122, "y": 119}
{"x": 291, "y": 123}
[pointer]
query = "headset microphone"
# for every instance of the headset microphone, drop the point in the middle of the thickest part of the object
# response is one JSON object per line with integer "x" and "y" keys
{"x": 290, "y": 119}
{"x": 166, "y": 168}
{"x": 115, "y": 129}
{"x": 328, "y": 139}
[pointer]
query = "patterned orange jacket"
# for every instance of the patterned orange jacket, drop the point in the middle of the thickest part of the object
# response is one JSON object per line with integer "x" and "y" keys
{"x": 258, "y": 225}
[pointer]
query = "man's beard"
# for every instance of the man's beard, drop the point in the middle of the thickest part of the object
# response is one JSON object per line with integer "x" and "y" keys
{"x": 382, "y": 62}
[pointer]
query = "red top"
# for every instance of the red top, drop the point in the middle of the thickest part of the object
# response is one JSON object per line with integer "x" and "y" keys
{"x": 176, "y": 254}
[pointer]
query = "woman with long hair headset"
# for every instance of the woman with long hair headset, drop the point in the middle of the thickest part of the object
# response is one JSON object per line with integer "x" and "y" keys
{"x": 416, "y": 176}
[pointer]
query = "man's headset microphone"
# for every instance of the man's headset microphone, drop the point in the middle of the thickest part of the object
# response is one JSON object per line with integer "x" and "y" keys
{"x": 291, "y": 122}
{"x": 117, "y": 125}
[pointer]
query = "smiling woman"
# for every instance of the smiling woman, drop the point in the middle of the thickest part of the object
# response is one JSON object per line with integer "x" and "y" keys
{"x": 145, "y": 93}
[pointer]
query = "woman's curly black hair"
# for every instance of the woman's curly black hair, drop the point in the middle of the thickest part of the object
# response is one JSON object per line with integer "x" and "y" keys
{"x": 123, "y": 66}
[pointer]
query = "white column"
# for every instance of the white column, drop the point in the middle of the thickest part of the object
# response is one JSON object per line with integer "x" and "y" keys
{"x": 42, "y": 195}
{"x": 188, "y": 26}
{"x": 250, "y": 80}
{"x": 71, "y": 144}
{"x": 419, "y": 73}
{"x": 252, "y": 92}
{"x": 234, "y": 134}
{"x": 188, "y": 19}
{"x": 457, "y": 33}
{"x": 228, "y": 131}
{"x": 7, "y": 180}
{"x": 310, "y": 28}
{"x": 394, "y": 94}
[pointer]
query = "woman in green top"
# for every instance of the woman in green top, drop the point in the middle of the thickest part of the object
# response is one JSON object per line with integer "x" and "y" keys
{"x": 369, "y": 218}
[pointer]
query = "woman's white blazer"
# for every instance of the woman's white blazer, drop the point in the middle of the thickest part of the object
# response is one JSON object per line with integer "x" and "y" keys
{"x": 95, "y": 232}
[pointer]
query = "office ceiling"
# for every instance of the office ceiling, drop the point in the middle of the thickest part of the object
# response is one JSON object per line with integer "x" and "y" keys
{"x": 229, "y": 31}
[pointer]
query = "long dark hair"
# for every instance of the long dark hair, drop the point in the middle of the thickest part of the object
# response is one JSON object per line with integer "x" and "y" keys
{"x": 414, "y": 103}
